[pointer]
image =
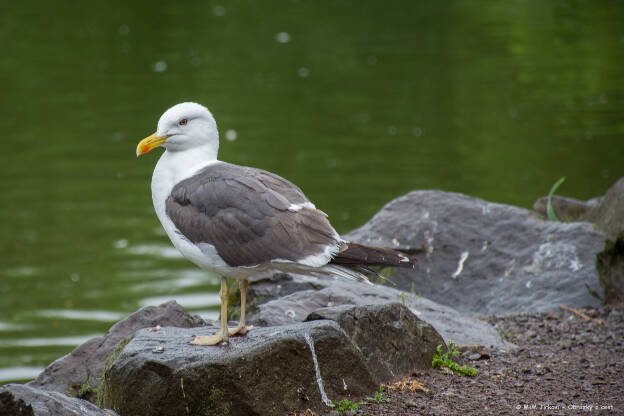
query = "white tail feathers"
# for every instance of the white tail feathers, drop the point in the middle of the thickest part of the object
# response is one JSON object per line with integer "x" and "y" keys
{"x": 333, "y": 270}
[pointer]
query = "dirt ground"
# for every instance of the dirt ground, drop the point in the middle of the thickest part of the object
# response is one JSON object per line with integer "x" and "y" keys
{"x": 565, "y": 365}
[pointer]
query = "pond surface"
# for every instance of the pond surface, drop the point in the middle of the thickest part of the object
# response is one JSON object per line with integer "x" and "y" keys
{"x": 357, "y": 103}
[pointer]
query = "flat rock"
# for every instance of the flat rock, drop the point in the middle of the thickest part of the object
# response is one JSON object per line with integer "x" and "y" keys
{"x": 486, "y": 258}
{"x": 451, "y": 325}
{"x": 393, "y": 341}
{"x": 79, "y": 372}
{"x": 23, "y": 400}
{"x": 268, "y": 371}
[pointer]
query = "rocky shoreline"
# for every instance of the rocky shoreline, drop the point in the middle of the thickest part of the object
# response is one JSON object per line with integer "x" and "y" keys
{"x": 490, "y": 279}
{"x": 564, "y": 365}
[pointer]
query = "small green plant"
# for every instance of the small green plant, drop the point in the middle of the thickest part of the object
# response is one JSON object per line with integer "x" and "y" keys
{"x": 412, "y": 295}
{"x": 379, "y": 396}
{"x": 402, "y": 297}
{"x": 549, "y": 209}
{"x": 345, "y": 405}
{"x": 445, "y": 360}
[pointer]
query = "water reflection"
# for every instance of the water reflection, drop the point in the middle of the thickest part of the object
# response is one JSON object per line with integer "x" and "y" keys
{"x": 47, "y": 341}
{"x": 355, "y": 105}
{"x": 103, "y": 316}
{"x": 156, "y": 250}
{"x": 190, "y": 301}
{"x": 19, "y": 373}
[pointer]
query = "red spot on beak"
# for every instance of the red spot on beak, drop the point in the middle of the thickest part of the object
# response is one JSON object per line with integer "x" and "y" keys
{"x": 145, "y": 150}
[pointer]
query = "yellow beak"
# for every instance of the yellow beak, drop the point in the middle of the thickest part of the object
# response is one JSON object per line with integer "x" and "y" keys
{"x": 149, "y": 143}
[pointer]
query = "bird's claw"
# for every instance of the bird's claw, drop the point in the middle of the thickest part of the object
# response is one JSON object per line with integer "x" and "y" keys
{"x": 207, "y": 340}
{"x": 240, "y": 330}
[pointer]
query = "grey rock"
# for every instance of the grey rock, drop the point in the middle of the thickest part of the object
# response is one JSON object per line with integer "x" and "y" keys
{"x": 610, "y": 265}
{"x": 609, "y": 213}
{"x": 566, "y": 209}
{"x": 606, "y": 212}
{"x": 264, "y": 288}
{"x": 79, "y": 372}
{"x": 393, "y": 341}
{"x": 23, "y": 400}
{"x": 450, "y": 324}
{"x": 268, "y": 371}
{"x": 487, "y": 258}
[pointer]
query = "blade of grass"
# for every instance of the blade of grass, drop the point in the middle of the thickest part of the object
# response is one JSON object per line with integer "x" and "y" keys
{"x": 549, "y": 209}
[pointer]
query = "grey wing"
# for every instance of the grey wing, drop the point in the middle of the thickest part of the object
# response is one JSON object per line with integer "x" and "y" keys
{"x": 244, "y": 213}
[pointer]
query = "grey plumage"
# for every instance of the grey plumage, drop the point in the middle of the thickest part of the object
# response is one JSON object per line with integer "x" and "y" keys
{"x": 244, "y": 213}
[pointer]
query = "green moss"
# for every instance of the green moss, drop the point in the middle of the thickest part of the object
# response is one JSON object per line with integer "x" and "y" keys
{"x": 85, "y": 390}
{"x": 215, "y": 404}
{"x": 102, "y": 392}
{"x": 115, "y": 354}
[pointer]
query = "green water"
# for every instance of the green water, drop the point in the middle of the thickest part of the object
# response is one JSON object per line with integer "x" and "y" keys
{"x": 357, "y": 102}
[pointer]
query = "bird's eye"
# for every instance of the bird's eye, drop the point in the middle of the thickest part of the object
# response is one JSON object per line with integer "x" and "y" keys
{"x": 183, "y": 122}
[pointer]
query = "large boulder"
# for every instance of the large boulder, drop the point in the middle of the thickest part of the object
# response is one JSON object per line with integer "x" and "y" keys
{"x": 606, "y": 212}
{"x": 610, "y": 264}
{"x": 451, "y": 325}
{"x": 609, "y": 213}
{"x": 23, "y": 400}
{"x": 566, "y": 209}
{"x": 393, "y": 341}
{"x": 79, "y": 372}
{"x": 486, "y": 258}
{"x": 268, "y": 371}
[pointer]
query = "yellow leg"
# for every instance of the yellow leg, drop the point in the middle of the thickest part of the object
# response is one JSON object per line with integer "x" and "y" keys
{"x": 242, "y": 329}
{"x": 222, "y": 335}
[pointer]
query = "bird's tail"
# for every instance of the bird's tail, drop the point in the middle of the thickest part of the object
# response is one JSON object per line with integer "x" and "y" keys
{"x": 354, "y": 254}
{"x": 353, "y": 262}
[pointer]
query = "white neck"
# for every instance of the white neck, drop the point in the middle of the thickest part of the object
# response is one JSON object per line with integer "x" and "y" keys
{"x": 175, "y": 166}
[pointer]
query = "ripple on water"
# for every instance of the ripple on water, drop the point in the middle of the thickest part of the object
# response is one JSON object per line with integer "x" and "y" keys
{"x": 19, "y": 373}
{"x": 163, "y": 251}
{"x": 6, "y": 326}
{"x": 193, "y": 300}
{"x": 82, "y": 315}
{"x": 71, "y": 341}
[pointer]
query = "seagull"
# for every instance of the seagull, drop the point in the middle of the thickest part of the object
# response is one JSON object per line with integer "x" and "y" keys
{"x": 239, "y": 221}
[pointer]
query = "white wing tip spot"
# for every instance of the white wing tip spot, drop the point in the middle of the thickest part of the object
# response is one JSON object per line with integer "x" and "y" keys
{"x": 321, "y": 259}
{"x": 299, "y": 207}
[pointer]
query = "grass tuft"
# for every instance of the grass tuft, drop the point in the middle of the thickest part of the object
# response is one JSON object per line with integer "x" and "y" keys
{"x": 346, "y": 405}
{"x": 445, "y": 360}
{"x": 379, "y": 396}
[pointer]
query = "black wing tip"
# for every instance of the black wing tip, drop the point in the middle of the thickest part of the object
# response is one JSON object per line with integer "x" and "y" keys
{"x": 362, "y": 255}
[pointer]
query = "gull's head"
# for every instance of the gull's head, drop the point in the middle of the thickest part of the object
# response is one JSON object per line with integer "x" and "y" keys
{"x": 184, "y": 126}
